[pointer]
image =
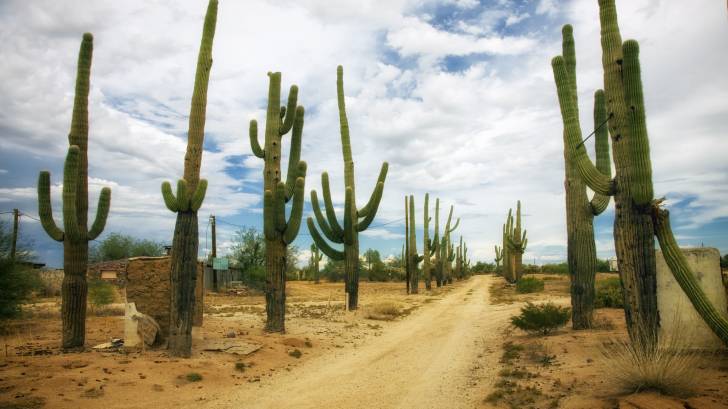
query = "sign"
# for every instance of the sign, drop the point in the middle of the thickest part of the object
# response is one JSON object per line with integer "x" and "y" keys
{"x": 219, "y": 263}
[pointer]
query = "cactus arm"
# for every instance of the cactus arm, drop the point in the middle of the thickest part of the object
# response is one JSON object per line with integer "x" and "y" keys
{"x": 377, "y": 197}
{"x": 70, "y": 185}
{"x": 322, "y": 220}
{"x": 102, "y": 213}
{"x": 254, "y": 144}
{"x": 294, "y": 221}
{"x": 45, "y": 209}
{"x": 684, "y": 276}
{"x": 169, "y": 200}
{"x": 322, "y": 244}
{"x": 373, "y": 200}
{"x": 289, "y": 113}
{"x": 349, "y": 216}
{"x": 279, "y": 207}
{"x": 329, "y": 205}
{"x": 600, "y": 202}
{"x": 199, "y": 196}
{"x": 343, "y": 121}
{"x": 457, "y": 223}
{"x": 196, "y": 133}
{"x": 294, "y": 157}
{"x": 641, "y": 181}
{"x": 183, "y": 199}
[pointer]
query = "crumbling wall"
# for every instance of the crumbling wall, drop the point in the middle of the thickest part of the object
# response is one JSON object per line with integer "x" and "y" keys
{"x": 148, "y": 287}
{"x": 96, "y": 271}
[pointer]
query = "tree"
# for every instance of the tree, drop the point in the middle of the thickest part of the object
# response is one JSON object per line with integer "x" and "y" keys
{"x": 724, "y": 262}
{"x": 117, "y": 246}
{"x": 16, "y": 281}
{"x": 248, "y": 251}
{"x": 481, "y": 267}
{"x": 375, "y": 266}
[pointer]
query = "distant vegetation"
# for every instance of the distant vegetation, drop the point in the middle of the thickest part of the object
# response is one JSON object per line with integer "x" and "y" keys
{"x": 117, "y": 246}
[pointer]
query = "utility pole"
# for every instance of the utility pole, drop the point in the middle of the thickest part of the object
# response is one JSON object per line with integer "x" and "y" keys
{"x": 16, "y": 219}
{"x": 215, "y": 285}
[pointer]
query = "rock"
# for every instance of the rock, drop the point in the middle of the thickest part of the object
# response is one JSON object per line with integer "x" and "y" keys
{"x": 230, "y": 334}
{"x": 139, "y": 327}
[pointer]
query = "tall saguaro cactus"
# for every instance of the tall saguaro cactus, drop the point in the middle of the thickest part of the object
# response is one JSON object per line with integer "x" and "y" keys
{"x": 316, "y": 257}
{"x": 75, "y": 234}
{"x": 428, "y": 246}
{"x": 447, "y": 255}
{"x": 355, "y": 219}
{"x": 279, "y": 233}
{"x": 498, "y": 257}
{"x": 190, "y": 194}
{"x": 580, "y": 212}
{"x": 515, "y": 243}
{"x": 638, "y": 216}
{"x": 413, "y": 259}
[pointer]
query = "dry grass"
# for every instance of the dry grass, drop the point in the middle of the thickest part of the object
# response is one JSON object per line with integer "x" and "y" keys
{"x": 384, "y": 311}
{"x": 668, "y": 366}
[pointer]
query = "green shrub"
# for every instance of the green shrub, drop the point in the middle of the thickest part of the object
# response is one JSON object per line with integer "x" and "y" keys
{"x": 16, "y": 285}
{"x": 561, "y": 268}
{"x": 529, "y": 285}
{"x": 609, "y": 293}
{"x": 254, "y": 277}
{"x": 193, "y": 377}
{"x": 100, "y": 293}
{"x": 541, "y": 318}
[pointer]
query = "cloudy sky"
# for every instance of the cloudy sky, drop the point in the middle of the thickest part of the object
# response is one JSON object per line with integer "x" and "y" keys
{"x": 457, "y": 96}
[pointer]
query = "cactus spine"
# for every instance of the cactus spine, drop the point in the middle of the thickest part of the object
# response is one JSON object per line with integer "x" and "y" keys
{"x": 75, "y": 234}
{"x": 279, "y": 232}
{"x": 637, "y": 217}
{"x": 348, "y": 235}
{"x": 316, "y": 257}
{"x": 580, "y": 211}
{"x": 190, "y": 194}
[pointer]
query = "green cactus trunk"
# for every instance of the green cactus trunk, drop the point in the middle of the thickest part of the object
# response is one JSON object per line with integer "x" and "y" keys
{"x": 315, "y": 260}
{"x": 426, "y": 246}
{"x": 407, "y": 253}
{"x": 413, "y": 258}
{"x": 580, "y": 211}
{"x": 498, "y": 258}
{"x": 190, "y": 195}
{"x": 278, "y": 231}
{"x": 447, "y": 254}
{"x": 637, "y": 217}
{"x": 436, "y": 246}
{"x": 348, "y": 235}
{"x": 75, "y": 235}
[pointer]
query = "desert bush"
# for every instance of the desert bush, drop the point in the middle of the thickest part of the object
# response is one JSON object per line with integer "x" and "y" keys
{"x": 668, "y": 365}
{"x": 193, "y": 377}
{"x": 609, "y": 293}
{"x": 385, "y": 311}
{"x": 561, "y": 268}
{"x": 50, "y": 282}
{"x": 254, "y": 277}
{"x": 16, "y": 286}
{"x": 529, "y": 285}
{"x": 541, "y": 318}
{"x": 100, "y": 293}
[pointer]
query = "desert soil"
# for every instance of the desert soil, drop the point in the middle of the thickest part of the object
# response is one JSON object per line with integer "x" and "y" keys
{"x": 446, "y": 348}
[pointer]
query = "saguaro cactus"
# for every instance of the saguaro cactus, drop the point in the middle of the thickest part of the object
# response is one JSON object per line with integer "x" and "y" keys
{"x": 348, "y": 235}
{"x": 436, "y": 246}
{"x": 316, "y": 257}
{"x": 498, "y": 258}
{"x": 580, "y": 212}
{"x": 515, "y": 243}
{"x": 413, "y": 259}
{"x": 637, "y": 216}
{"x": 190, "y": 194}
{"x": 75, "y": 234}
{"x": 447, "y": 255}
{"x": 279, "y": 233}
{"x": 427, "y": 246}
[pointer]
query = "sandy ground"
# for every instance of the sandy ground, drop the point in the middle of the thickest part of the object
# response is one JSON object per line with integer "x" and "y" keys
{"x": 436, "y": 358}
{"x": 446, "y": 349}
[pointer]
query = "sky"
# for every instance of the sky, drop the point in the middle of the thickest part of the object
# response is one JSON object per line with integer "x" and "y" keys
{"x": 457, "y": 95}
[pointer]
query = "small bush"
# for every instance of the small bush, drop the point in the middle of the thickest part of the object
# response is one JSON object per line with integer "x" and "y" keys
{"x": 240, "y": 366}
{"x": 542, "y": 318}
{"x": 100, "y": 293}
{"x": 16, "y": 285}
{"x": 529, "y": 285}
{"x": 609, "y": 293}
{"x": 296, "y": 353}
{"x": 193, "y": 377}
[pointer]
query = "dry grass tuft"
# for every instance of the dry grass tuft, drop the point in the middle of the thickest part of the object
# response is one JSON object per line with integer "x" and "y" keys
{"x": 668, "y": 366}
{"x": 384, "y": 311}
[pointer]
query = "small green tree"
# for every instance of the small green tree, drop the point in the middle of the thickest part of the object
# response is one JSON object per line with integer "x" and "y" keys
{"x": 100, "y": 293}
{"x": 117, "y": 246}
{"x": 17, "y": 282}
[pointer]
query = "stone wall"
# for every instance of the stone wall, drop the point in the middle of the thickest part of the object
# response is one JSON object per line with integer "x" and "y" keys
{"x": 677, "y": 314}
{"x": 100, "y": 270}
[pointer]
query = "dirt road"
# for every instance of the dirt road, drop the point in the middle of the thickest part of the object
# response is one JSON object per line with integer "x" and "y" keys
{"x": 442, "y": 356}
